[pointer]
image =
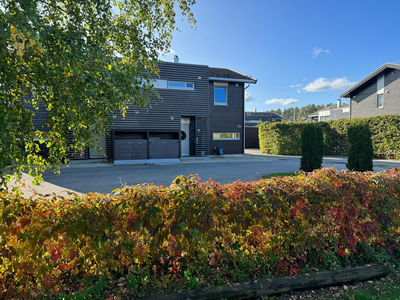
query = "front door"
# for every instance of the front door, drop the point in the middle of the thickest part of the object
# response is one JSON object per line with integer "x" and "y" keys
{"x": 185, "y": 140}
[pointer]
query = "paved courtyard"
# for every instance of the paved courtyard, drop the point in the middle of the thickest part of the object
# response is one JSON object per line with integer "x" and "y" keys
{"x": 85, "y": 176}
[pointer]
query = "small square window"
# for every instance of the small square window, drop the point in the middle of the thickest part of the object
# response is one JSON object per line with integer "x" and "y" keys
{"x": 220, "y": 95}
{"x": 380, "y": 101}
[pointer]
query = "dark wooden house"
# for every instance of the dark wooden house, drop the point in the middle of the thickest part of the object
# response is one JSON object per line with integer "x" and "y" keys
{"x": 200, "y": 113}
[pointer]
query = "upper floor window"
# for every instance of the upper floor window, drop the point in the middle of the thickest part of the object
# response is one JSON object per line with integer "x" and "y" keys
{"x": 221, "y": 93}
{"x": 178, "y": 85}
{"x": 380, "y": 101}
{"x": 181, "y": 85}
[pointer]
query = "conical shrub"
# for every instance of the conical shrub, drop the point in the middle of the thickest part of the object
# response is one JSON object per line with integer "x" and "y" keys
{"x": 361, "y": 151}
{"x": 312, "y": 147}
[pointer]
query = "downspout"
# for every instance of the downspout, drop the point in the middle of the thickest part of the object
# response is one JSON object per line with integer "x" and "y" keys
{"x": 350, "y": 104}
{"x": 244, "y": 118}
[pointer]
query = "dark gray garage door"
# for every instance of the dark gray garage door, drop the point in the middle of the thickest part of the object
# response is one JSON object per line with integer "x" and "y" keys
{"x": 127, "y": 149}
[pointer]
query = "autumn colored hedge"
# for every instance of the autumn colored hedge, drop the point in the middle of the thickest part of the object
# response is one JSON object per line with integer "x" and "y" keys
{"x": 284, "y": 138}
{"x": 195, "y": 233}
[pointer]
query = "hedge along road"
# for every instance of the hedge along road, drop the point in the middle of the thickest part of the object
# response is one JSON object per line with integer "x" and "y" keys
{"x": 84, "y": 177}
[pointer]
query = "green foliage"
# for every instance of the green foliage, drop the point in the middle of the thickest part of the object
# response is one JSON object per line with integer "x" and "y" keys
{"x": 284, "y": 138}
{"x": 93, "y": 291}
{"x": 330, "y": 261}
{"x": 133, "y": 282}
{"x": 280, "y": 138}
{"x": 383, "y": 291}
{"x": 197, "y": 234}
{"x": 361, "y": 152}
{"x": 312, "y": 147}
{"x": 268, "y": 176}
{"x": 61, "y": 57}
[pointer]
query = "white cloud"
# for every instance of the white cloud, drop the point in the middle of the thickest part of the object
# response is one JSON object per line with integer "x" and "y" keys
{"x": 317, "y": 51}
{"x": 323, "y": 84}
{"x": 296, "y": 85}
{"x": 248, "y": 97}
{"x": 281, "y": 101}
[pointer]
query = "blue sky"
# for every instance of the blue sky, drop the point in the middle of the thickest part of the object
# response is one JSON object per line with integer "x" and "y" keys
{"x": 301, "y": 52}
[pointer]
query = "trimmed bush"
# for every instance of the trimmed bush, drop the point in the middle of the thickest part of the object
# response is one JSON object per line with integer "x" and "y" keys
{"x": 284, "y": 138}
{"x": 197, "y": 234}
{"x": 312, "y": 148}
{"x": 361, "y": 151}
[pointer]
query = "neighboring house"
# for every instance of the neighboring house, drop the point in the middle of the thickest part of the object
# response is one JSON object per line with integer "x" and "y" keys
{"x": 201, "y": 109}
{"x": 340, "y": 111}
{"x": 252, "y": 119}
{"x": 377, "y": 94}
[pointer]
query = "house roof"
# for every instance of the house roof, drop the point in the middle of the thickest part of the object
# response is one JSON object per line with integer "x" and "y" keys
{"x": 250, "y": 115}
{"x": 221, "y": 74}
{"x": 347, "y": 93}
{"x": 316, "y": 113}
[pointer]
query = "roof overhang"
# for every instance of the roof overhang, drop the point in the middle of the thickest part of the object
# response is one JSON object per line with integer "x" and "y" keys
{"x": 347, "y": 93}
{"x": 234, "y": 79}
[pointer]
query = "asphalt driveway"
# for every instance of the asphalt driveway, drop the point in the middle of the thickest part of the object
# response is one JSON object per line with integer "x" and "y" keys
{"x": 87, "y": 177}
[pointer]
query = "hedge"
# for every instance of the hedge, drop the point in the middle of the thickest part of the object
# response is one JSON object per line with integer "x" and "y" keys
{"x": 197, "y": 234}
{"x": 284, "y": 138}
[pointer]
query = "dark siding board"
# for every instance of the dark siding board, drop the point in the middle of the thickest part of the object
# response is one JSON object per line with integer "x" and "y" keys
{"x": 227, "y": 118}
{"x": 365, "y": 102}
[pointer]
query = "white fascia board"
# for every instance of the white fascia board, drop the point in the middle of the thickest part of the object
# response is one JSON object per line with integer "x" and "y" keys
{"x": 232, "y": 79}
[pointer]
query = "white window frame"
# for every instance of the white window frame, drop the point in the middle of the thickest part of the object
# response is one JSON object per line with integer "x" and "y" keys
{"x": 226, "y": 139}
{"x": 377, "y": 100}
{"x": 221, "y": 85}
{"x": 323, "y": 118}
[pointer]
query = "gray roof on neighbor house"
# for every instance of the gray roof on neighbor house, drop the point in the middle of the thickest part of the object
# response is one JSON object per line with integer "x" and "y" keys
{"x": 347, "y": 93}
{"x": 254, "y": 115}
{"x": 334, "y": 107}
{"x": 222, "y": 74}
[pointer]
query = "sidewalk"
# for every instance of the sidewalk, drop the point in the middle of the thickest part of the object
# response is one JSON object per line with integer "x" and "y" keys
{"x": 46, "y": 188}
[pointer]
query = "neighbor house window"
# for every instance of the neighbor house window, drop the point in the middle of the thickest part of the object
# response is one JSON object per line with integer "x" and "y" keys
{"x": 226, "y": 136}
{"x": 324, "y": 118}
{"x": 180, "y": 85}
{"x": 380, "y": 101}
{"x": 220, "y": 93}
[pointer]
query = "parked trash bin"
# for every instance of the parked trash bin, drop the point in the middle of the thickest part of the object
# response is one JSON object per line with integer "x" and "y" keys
{"x": 218, "y": 151}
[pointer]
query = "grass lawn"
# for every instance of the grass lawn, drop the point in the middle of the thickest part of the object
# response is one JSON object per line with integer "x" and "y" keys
{"x": 383, "y": 291}
{"x": 278, "y": 175}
